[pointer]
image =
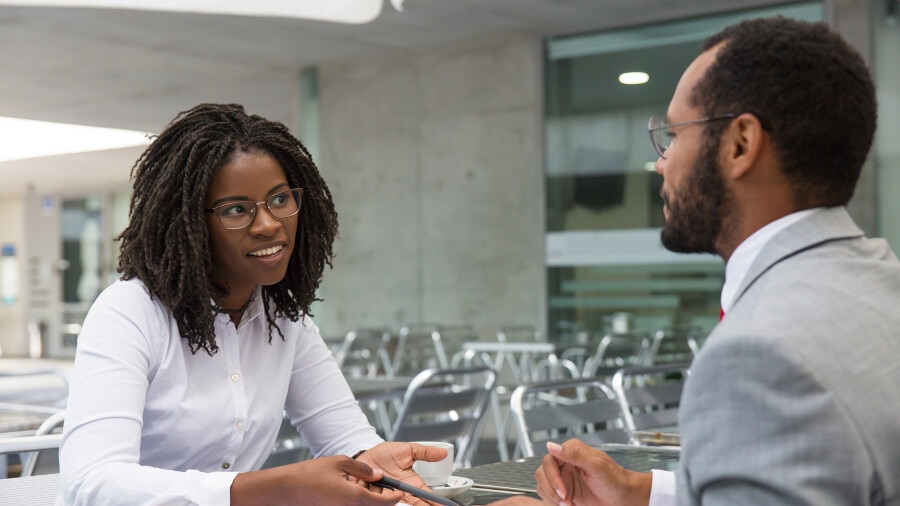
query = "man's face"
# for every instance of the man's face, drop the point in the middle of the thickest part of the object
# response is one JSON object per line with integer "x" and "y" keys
{"x": 693, "y": 189}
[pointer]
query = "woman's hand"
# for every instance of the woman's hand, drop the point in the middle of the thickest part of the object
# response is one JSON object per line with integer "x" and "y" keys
{"x": 325, "y": 481}
{"x": 396, "y": 460}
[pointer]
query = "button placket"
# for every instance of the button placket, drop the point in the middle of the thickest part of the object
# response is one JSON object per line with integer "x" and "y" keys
{"x": 231, "y": 352}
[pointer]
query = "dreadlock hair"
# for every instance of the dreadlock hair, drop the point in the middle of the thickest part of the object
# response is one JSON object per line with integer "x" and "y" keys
{"x": 808, "y": 87}
{"x": 166, "y": 243}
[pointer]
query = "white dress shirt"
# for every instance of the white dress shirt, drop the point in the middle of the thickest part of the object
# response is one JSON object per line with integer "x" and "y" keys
{"x": 662, "y": 489}
{"x": 148, "y": 422}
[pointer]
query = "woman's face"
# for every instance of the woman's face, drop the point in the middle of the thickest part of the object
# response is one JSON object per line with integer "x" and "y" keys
{"x": 259, "y": 253}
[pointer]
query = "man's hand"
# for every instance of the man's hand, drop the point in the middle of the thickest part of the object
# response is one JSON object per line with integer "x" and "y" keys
{"x": 575, "y": 473}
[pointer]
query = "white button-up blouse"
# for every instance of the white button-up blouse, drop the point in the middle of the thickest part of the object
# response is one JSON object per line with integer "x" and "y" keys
{"x": 148, "y": 422}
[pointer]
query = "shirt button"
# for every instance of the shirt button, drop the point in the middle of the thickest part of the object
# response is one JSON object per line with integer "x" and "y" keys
{"x": 240, "y": 425}
{"x": 225, "y": 465}
{"x": 235, "y": 376}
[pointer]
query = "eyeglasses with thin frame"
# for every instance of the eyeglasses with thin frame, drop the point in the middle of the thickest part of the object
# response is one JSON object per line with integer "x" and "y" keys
{"x": 661, "y": 135}
{"x": 241, "y": 213}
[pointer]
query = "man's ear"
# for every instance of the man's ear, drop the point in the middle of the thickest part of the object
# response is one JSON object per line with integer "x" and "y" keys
{"x": 742, "y": 143}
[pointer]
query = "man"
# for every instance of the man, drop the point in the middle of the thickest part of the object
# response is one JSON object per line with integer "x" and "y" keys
{"x": 794, "y": 399}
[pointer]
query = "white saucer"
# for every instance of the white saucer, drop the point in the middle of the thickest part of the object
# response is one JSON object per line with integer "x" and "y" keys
{"x": 455, "y": 485}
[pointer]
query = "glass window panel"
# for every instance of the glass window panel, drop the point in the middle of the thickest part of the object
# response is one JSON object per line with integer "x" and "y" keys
{"x": 604, "y": 211}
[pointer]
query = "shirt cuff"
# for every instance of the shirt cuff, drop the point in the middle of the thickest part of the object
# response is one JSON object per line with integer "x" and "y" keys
{"x": 217, "y": 487}
{"x": 662, "y": 488}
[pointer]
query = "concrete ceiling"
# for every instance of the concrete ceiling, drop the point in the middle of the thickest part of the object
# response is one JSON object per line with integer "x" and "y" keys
{"x": 135, "y": 69}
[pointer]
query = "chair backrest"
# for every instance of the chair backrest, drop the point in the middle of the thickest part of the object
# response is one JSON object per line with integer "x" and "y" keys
{"x": 445, "y": 405}
{"x": 615, "y": 351}
{"x": 558, "y": 410}
{"x": 364, "y": 353}
{"x": 30, "y": 489}
{"x": 419, "y": 347}
{"x": 650, "y": 395}
{"x": 674, "y": 344}
{"x": 44, "y": 461}
{"x": 697, "y": 342}
{"x": 520, "y": 334}
{"x": 452, "y": 339}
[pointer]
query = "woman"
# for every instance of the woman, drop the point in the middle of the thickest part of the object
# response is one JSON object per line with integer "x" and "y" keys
{"x": 185, "y": 365}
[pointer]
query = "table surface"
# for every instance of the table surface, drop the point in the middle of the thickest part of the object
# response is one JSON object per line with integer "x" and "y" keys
{"x": 658, "y": 436}
{"x": 378, "y": 388}
{"x": 519, "y": 474}
{"x": 32, "y": 490}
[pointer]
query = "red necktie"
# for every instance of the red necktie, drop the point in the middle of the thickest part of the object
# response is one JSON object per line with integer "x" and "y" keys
{"x": 721, "y": 314}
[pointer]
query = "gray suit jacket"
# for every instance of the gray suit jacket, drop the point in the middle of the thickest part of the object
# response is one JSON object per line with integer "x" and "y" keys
{"x": 795, "y": 397}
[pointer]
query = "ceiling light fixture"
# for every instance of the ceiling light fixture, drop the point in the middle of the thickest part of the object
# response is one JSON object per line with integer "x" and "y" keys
{"x": 634, "y": 78}
{"x": 334, "y": 11}
{"x": 23, "y": 138}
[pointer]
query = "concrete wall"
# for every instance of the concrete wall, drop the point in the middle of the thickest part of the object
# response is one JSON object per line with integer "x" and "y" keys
{"x": 436, "y": 165}
{"x": 12, "y": 316}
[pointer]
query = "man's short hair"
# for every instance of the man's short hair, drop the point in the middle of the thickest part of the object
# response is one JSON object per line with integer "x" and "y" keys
{"x": 808, "y": 87}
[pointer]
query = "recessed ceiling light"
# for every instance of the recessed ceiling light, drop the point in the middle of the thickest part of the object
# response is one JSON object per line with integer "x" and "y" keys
{"x": 634, "y": 78}
{"x": 24, "y": 138}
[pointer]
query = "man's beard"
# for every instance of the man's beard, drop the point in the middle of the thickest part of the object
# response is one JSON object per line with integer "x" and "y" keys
{"x": 695, "y": 218}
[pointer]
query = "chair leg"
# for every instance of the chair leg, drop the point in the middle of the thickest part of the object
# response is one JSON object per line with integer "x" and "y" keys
{"x": 499, "y": 427}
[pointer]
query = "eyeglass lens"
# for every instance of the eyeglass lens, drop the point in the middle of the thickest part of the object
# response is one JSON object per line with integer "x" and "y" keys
{"x": 659, "y": 136}
{"x": 239, "y": 214}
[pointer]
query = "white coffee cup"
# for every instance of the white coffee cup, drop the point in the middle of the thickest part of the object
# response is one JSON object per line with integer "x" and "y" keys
{"x": 437, "y": 473}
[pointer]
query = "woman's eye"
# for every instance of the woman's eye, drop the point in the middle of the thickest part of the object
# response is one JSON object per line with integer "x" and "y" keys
{"x": 279, "y": 200}
{"x": 234, "y": 209}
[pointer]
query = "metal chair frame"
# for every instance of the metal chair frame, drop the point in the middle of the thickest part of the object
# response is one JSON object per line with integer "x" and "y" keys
{"x": 615, "y": 351}
{"x": 650, "y": 395}
{"x": 446, "y": 405}
{"x": 364, "y": 352}
{"x": 674, "y": 344}
{"x": 558, "y": 410}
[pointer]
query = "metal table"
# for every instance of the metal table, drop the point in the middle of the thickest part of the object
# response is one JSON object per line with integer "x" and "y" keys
{"x": 32, "y": 490}
{"x": 378, "y": 388}
{"x": 500, "y": 479}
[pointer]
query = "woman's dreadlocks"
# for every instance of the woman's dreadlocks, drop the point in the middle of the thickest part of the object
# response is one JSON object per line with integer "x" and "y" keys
{"x": 166, "y": 244}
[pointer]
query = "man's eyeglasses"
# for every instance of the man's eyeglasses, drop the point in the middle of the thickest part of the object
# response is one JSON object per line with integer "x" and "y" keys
{"x": 239, "y": 214}
{"x": 660, "y": 134}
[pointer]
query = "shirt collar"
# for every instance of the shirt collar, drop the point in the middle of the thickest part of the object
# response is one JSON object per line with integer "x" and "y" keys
{"x": 252, "y": 311}
{"x": 739, "y": 264}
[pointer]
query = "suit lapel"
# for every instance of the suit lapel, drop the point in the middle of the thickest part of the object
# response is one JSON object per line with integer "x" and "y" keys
{"x": 824, "y": 225}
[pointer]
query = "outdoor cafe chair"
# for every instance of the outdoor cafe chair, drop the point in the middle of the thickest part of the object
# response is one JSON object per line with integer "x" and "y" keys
{"x": 616, "y": 350}
{"x": 516, "y": 363}
{"x": 45, "y": 461}
{"x": 446, "y": 405}
{"x": 520, "y": 334}
{"x": 418, "y": 347}
{"x": 364, "y": 352}
{"x": 34, "y": 490}
{"x": 650, "y": 395}
{"x": 674, "y": 344}
{"x": 556, "y": 411}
